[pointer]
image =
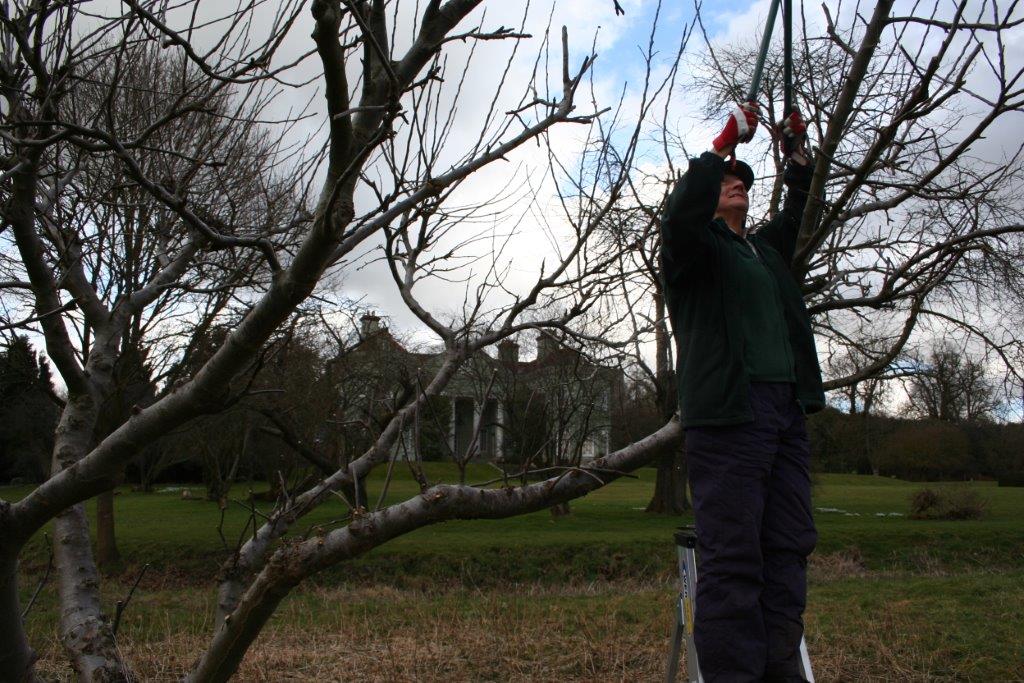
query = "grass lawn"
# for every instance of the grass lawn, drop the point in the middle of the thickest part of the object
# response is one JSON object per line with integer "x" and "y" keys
{"x": 587, "y": 597}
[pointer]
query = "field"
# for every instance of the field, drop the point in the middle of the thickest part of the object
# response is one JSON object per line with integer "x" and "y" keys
{"x": 587, "y": 597}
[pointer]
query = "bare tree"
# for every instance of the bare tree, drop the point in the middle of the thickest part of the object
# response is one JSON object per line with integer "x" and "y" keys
{"x": 386, "y": 138}
{"x": 91, "y": 144}
{"x": 633, "y": 233}
{"x": 911, "y": 227}
{"x": 394, "y": 175}
{"x": 953, "y": 386}
{"x": 914, "y": 223}
{"x": 868, "y": 395}
{"x": 118, "y": 229}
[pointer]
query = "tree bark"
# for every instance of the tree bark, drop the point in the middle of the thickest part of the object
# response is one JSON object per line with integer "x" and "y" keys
{"x": 107, "y": 554}
{"x": 16, "y": 655}
{"x": 84, "y": 629}
{"x": 670, "y": 497}
{"x": 84, "y": 633}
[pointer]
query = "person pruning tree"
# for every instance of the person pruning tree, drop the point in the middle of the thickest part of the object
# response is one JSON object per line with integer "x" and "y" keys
{"x": 748, "y": 373}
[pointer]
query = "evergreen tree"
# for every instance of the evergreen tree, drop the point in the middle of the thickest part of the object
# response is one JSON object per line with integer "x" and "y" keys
{"x": 28, "y": 413}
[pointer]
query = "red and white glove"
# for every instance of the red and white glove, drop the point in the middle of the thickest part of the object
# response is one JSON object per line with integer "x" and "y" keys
{"x": 793, "y": 133}
{"x": 739, "y": 128}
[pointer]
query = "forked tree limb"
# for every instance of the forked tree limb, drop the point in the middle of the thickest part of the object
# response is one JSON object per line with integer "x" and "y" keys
{"x": 293, "y": 563}
{"x": 806, "y": 239}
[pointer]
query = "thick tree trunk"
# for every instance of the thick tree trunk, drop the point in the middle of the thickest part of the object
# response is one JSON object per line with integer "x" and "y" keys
{"x": 90, "y": 647}
{"x": 84, "y": 630}
{"x": 16, "y": 656}
{"x": 107, "y": 554}
{"x": 670, "y": 496}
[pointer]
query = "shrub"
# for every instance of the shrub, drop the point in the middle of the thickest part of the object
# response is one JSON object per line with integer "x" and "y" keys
{"x": 922, "y": 502}
{"x": 947, "y": 504}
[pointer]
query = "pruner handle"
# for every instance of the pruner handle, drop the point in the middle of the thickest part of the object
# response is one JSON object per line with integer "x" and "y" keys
{"x": 766, "y": 41}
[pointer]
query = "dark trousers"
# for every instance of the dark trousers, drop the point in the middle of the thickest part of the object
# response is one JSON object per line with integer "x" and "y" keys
{"x": 752, "y": 500}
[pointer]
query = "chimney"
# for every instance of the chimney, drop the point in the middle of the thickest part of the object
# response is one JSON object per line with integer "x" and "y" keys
{"x": 546, "y": 344}
{"x": 370, "y": 325}
{"x": 508, "y": 351}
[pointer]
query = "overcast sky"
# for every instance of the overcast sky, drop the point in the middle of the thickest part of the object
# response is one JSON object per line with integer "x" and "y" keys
{"x": 619, "y": 68}
{"x": 619, "y": 42}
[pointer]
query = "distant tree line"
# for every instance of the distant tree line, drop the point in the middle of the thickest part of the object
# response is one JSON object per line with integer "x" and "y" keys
{"x": 298, "y": 421}
{"x": 311, "y": 407}
{"x": 947, "y": 428}
{"x": 917, "y": 449}
{"x": 948, "y": 423}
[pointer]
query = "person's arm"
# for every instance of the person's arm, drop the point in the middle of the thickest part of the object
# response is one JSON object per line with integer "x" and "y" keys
{"x": 685, "y": 240}
{"x": 781, "y": 231}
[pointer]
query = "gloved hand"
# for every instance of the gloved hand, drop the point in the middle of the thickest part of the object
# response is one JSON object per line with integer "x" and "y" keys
{"x": 739, "y": 128}
{"x": 793, "y": 134}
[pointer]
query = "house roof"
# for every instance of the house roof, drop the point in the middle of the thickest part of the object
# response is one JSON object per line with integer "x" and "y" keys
{"x": 560, "y": 355}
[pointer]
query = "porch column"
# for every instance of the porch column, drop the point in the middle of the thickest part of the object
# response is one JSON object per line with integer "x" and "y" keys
{"x": 451, "y": 432}
{"x": 478, "y": 411}
{"x": 499, "y": 431}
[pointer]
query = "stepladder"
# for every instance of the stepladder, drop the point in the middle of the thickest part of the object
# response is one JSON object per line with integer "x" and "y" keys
{"x": 682, "y": 634}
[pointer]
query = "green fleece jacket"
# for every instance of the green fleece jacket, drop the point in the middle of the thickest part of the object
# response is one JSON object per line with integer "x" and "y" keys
{"x": 700, "y": 273}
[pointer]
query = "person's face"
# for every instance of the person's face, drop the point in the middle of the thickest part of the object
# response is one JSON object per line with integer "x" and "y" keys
{"x": 733, "y": 195}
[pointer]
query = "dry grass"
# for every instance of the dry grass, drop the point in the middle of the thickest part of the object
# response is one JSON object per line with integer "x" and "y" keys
{"x": 889, "y": 649}
{"x": 386, "y": 634}
{"x": 892, "y": 599}
{"x": 601, "y": 631}
{"x": 845, "y": 564}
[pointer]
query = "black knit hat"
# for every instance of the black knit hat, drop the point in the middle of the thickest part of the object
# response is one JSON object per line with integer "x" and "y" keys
{"x": 740, "y": 170}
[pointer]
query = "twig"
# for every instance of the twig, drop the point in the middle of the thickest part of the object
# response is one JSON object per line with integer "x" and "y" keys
{"x": 563, "y": 470}
{"x": 251, "y": 509}
{"x": 69, "y": 306}
{"x": 251, "y": 519}
{"x": 322, "y": 525}
{"x": 220, "y": 526}
{"x": 123, "y": 604}
{"x": 391, "y": 462}
{"x": 284, "y": 490}
{"x": 46, "y": 575}
{"x": 344, "y": 499}
{"x": 355, "y": 488}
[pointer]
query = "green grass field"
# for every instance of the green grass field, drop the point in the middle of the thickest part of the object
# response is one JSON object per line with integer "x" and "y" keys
{"x": 587, "y": 597}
